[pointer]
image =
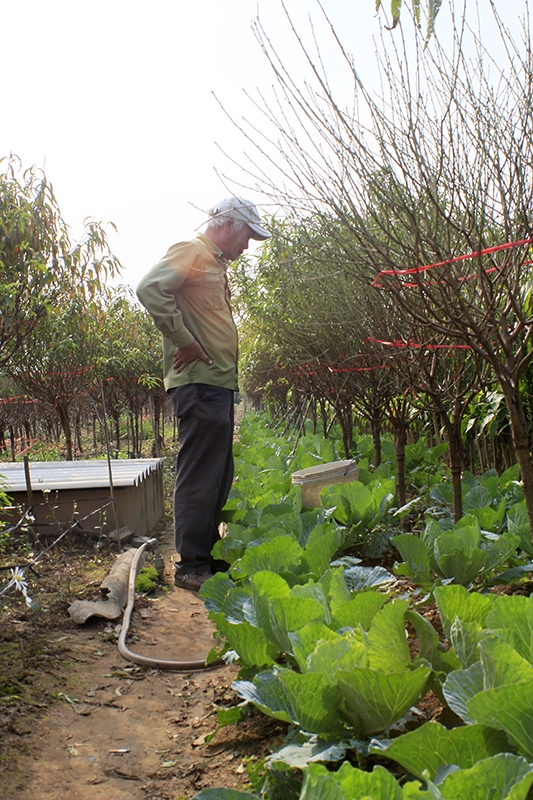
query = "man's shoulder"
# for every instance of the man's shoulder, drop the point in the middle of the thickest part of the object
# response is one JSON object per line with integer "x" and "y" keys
{"x": 186, "y": 244}
{"x": 199, "y": 246}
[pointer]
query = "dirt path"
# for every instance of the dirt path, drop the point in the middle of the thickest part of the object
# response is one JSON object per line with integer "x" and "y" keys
{"x": 105, "y": 728}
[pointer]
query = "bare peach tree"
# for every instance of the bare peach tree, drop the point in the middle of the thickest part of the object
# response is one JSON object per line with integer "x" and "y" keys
{"x": 426, "y": 183}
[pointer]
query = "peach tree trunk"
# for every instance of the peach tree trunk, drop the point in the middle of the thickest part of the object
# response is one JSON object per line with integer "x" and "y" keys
{"x": 519, "y": 428}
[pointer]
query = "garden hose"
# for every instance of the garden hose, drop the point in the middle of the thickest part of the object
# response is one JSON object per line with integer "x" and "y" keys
{"x": 146, "y": 661}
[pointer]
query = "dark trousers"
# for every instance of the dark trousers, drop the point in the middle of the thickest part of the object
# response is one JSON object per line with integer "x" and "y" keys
{"x": 204, "y": 468}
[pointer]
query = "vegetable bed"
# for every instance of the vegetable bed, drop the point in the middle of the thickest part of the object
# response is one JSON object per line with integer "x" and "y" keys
{"x": 360, "y": 659}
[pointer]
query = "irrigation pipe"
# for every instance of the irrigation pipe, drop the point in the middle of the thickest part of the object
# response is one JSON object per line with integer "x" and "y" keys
{"x": 146, "y": 661}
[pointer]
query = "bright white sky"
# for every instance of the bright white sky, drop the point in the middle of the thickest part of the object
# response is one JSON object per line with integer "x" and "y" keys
{"x": 115, "y": 98}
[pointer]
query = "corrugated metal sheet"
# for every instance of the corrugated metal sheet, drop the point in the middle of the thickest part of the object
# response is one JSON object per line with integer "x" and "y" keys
{"x": 57, "y": 475}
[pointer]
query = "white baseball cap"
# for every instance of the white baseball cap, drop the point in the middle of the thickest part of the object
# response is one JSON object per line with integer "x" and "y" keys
{"x": 244, "y": 211}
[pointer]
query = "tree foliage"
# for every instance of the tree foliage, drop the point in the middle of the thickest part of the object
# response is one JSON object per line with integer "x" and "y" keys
{"x": 64, "y": 333}
{"x": 431, "y": 9}
{"x": 40, "y": 268}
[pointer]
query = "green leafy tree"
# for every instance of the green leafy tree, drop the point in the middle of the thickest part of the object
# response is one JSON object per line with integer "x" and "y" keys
{"x": 60, "y": 366}
{"x": 129, "y": 366}
{"x": 39, "y": 265}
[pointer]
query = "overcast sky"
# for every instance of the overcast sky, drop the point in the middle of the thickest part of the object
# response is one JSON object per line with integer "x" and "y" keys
{"x": 116, "y": 100}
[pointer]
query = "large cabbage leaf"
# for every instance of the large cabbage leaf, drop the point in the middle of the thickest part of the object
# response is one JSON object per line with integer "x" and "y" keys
{"x": 306, "y": 700}
{"x": 248, "y": 641}
{"x": 282, "y": 554}
{"x": 456, "y": 601}
{"x": 509, "y": 709}
{"x": 501, "y": 777}
{"x": 512, "y": 616}
{"x": 433, "y": 746}
{"x": 372, "y": 701}
{"x": 460, "y": 686}
{"x": 349, "y": 782}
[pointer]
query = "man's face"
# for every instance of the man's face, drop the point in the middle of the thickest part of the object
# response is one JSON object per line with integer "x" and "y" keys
{"x": 236, "y": 241}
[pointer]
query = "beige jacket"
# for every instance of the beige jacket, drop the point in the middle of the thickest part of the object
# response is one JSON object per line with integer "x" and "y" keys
{"x": 188, "y": 297}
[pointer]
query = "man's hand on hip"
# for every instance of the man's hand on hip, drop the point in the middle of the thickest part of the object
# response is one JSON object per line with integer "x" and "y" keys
{"x": 183, "y": 356}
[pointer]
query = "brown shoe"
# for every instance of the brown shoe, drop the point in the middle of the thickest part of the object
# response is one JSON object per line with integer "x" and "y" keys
{"x": 191, "y": 580}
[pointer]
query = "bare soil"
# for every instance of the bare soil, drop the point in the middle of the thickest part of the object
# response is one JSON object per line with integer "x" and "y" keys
{"x": 79, "y": 721}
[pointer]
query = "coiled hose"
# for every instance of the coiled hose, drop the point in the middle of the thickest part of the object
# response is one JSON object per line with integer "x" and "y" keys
{"x": 146, "y": 661}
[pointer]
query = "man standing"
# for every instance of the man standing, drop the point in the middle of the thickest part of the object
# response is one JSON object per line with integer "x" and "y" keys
{"x": 188, "y": 297}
